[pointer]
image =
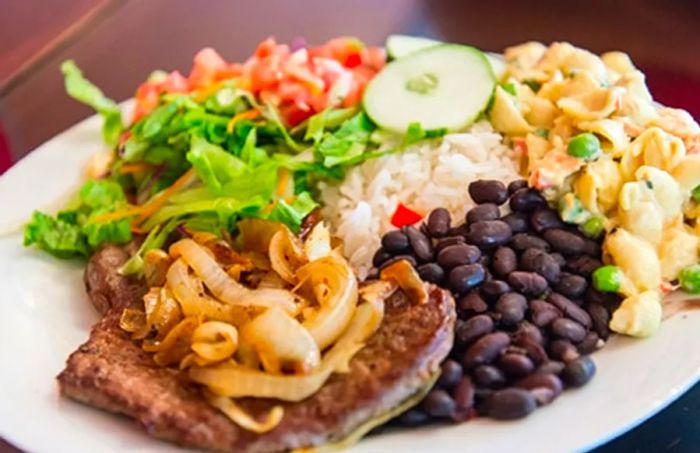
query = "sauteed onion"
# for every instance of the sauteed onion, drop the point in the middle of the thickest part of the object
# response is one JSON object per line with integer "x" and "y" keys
{"x": 274, "y": 319}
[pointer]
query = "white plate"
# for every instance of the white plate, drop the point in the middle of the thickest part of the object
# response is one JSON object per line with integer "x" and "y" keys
{"x": 46, "y": 315}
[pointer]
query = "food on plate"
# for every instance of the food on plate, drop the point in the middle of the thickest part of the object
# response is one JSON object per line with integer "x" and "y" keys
{"x": 528, "y": 316}
{"x": 441, "y": 87}
{"x": 395, "y": 368}
{"x": 276, "y": 245}
{"x": 596, "y": 143}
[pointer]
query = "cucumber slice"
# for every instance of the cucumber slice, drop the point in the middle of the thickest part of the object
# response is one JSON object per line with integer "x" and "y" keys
{"x": 498, "y": 64}
{"x": 445, "y": 86}
{"x": 398, "y": 46}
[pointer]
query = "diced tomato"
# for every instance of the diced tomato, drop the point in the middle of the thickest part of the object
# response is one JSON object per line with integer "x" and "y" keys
{"x": 148, "y": 93}
{"x": 374, "y": 58}
{"x": 207, "y": 63}
{"x": 404, "y": 216}
{"x": 175, "y": 83}
{"x": 299, "y": 83}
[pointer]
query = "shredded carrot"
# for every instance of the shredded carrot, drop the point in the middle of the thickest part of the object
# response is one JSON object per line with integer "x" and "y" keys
{"x": 270, "y": 207}
{"x": 134, "y": 168}
{"x": 282, "y": 182}
{"x": 207, "y": 91}
{"x": 290, "y": 199}
{"x": 247, "y": 115}
{"x": 153, "y": 206}
{"x": 148, "y": 209}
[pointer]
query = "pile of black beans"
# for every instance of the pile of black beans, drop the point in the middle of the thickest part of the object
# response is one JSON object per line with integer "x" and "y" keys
{"x": 528, "y": 317}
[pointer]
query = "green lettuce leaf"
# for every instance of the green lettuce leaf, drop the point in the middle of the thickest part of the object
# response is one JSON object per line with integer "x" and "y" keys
{"x": 59, "y": 236}
{"x": 81, "y": 89}
{"x": 293, "y": 214}
{"x": 416, "y": 133}
{"x": 154, "y": 240}
{"x": 213, "y": 165}
{"x": 79, "y": 230}
{"x": 347, "y": 143}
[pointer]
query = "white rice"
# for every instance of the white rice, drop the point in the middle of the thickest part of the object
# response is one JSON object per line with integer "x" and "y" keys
{"x": 423, "y": 177}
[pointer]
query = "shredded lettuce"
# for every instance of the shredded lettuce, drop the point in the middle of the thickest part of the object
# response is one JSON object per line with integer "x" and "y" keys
{"x": 348, "y": 142}
{"x": 81, "y": 89}
{"x": 415, "y": 133}
{"x": 154, "y": 240}
{"x": 60, "y": 236}
{"x": 237, "y": 164}
{"x": 293, "y": 214}
{"x": 79, "y": 231}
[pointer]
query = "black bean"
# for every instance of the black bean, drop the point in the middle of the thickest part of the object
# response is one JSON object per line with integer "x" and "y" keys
{"x": 611, "y": 301}
{"x": 543, "y": 395}
{"x": 590, "y": 343}
{"x": 545, "y": 218}
{"x": 527, "y": 331}
{"x": 393, "y": 260}
{"x": 564, "y": 242}
{"x": 493, "y": 289}
{"x": 486, "y": 349}
{"x": 420, "y": 243}
{"x": 526, "y": 200}
{"x": 534, "y": 350}
{"x": 600, "y": 318}
{"x": 511, "y": 307}
{"x": 504, "y": 261}
{"x": 524, "y": 241}
{"x": 570, "y": 309}
{"x": 380, "y": 257}
{"x": 395, "y": 242}
{"x": 488, "y": 191}
{"x": 537, "y": 260}
{"x": 552, "y": 366}
{"x": 431, "y": 272}
{"x": 559, "y": 258}
{"x": 463, "y": 395}
{"x": 528, "y": 283}
{"x": 459, "y": 230}
{"x": 568, "y": 330}
{"x": 485, "y": 260}
{"x": 481, "y": 395}
{"x": 517, "y": 221}
{"x": 516, "y": 365}
{"x": 591, "y": 247}
{"x": 487, "y": 211}
{"x": 447, "y": 241}
{"x": 516, "y": 185}
{"x": 583, "y": 265}
{"x": 489, "y": 376}
{"x": 463, "y": 278}
{"x": 544, "y": 387}
{"x": 563, "y": 350}
{"x": 473, "y": 328}
{"x": 536, "y": 380}
{"x": 571, "y": 285}
{"x": 414, "y": 417}
{"x": 489, "y": 233}
{"x": 472, "y": 302}
{"x": 450, "y": 373}
{"x": 579, "y": 371}
{"x": 439, "y": 221}
{"x": 458, "y": 254}
{"x": 438, "y": 403}
{"x": 543, "y": 313}
{"x": 510, "y": 404}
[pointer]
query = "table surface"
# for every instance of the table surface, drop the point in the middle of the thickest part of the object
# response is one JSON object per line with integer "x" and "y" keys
{"x": 118, "y": 42}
